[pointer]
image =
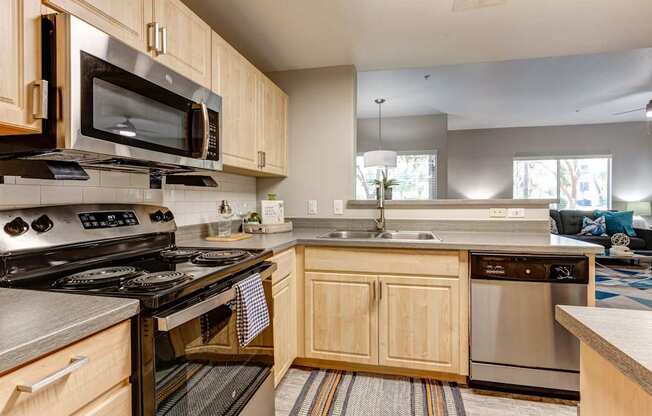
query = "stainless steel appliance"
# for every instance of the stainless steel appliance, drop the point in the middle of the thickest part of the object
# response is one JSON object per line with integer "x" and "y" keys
{"x": 110, "y": 106}
{"x": 515, "y": 340}
{"x": 186, "y": 357}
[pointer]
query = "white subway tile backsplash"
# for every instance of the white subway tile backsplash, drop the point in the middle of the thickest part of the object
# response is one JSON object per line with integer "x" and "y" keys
{"x": 191, "y": 205}
{"x": 51, "y": 195}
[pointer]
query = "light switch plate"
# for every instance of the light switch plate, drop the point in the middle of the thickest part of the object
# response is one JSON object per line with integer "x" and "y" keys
{"x": 516, "y": 213}
{"x": 312, "y": 207}
{"x": 338, "y": 207}
{"x": 497, "y": 212}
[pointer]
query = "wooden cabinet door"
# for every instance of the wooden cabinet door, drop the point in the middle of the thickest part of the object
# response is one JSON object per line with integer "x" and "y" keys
{"x": 123, "y": 19}
{"x": 235, "y": 81}
{"x": 274, "y": 139}
{"x": 419, "y": 323}
{"x": 341, "y": 317}
{"x": 188, "y": 40}
{"x": 20, "y": 65}
{"x": 285, "y": 334}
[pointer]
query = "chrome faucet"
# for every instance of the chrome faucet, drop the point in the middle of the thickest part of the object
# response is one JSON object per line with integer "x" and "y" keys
{"x": 380, "y": 221}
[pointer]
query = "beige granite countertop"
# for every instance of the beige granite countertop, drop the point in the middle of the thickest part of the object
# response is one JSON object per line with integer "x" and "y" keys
{"x": 476, "y": 241}
{"x": 622, "y": 337}
{"x": 34, "y": 323}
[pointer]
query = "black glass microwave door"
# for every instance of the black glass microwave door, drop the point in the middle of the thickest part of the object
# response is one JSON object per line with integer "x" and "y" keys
{"x": 201, "y": 370}
{"x": 120, "y": 107}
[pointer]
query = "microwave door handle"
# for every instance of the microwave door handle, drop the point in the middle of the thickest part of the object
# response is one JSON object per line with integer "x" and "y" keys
{"x": 205, "y": 123}
{"x": 169, "y": 322}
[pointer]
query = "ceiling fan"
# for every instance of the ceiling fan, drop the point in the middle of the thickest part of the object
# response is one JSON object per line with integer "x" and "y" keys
{"x": 647, "y": 109}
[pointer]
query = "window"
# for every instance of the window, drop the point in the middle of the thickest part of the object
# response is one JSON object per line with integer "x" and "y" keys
{"x": 416, "y": 173}
{"x": 578, "y": 183}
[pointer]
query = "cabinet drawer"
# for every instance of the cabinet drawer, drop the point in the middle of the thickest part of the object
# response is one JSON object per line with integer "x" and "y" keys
{"x": 285, "y": 262}
{"x": 381, "y": 261}
{"x": 108, "y": 364}
{"x": 116, "y": 402}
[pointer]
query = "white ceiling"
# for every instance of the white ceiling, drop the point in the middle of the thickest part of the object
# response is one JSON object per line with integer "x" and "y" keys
{"x": 391, "y": 34}
{"x": 536, "y": 92}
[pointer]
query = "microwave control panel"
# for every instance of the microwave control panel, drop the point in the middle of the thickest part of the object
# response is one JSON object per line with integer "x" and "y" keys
{"x": 213, "y": 136}
{"x": 96, "y": 220}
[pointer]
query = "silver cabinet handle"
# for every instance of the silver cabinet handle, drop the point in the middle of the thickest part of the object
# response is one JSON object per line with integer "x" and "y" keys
{"x": 40, "y": 97}
{"x": 206, "y": 126}
{"x": 264, "y": 159}
{"x": 153, "y": 37}
{"x": 380, "y": 290}
{"x": 164, "y": 41}
{"x": 374, "y": 289}
{"x": 75, "y": 364}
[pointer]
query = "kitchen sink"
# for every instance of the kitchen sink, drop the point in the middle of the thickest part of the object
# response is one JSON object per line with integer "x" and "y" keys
{"x": 408, "y": 235}
{"x": 385, "y": 235}
{"x": 351, "y": 234}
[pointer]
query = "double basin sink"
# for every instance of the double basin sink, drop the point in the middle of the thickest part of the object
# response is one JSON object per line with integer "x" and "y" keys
{"x": 382, "y": 235}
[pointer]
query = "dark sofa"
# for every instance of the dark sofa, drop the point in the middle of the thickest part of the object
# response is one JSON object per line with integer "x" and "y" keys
{"x": 569, "y": 224}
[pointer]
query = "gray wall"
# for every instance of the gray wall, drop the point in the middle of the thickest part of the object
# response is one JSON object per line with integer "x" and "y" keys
{"x": 480, "y": 161}
{"x": 409, "y": 133}
{"x": 321, "y": 135}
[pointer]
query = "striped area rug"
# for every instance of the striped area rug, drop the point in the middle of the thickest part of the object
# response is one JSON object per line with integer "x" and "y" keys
{"x": 334, "y": 393}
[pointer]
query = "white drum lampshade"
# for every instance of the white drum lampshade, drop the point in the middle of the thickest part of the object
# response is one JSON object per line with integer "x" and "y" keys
{"x": 380, "y": 159}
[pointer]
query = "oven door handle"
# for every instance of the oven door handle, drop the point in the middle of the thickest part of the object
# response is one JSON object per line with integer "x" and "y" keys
{"x": 175, "y": 319}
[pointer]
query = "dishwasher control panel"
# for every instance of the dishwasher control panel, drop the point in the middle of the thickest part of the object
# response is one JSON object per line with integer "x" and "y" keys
{"x": 537, "y": 268}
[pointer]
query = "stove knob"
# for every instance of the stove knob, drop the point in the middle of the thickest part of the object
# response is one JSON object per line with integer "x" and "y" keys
{"x": 168, "y": 216}
{"x": 157, "y": 216}
{"x": 42, "y": 224}
{"x": 16, "y": 227}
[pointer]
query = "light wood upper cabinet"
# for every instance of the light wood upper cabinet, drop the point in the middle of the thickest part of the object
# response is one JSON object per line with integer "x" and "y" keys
{"x": 123, "y": 19}
{"x": 274, "y": 136}
{"x": 188, "y": 40}
{"x": 341, "y": 317}
{"x": 419, "y": 323}
{"x": 20, "y": 65}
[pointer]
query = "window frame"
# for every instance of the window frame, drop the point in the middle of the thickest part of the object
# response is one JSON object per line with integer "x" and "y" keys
{"x": 434, "y": 187}
{"x": 558, "y": 159}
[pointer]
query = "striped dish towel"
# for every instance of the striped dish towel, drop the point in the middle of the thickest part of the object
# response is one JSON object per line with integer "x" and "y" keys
{"x": 252, "y": 316}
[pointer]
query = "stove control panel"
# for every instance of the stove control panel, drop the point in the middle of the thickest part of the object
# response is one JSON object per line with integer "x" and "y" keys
{"x": 105, "y": 219}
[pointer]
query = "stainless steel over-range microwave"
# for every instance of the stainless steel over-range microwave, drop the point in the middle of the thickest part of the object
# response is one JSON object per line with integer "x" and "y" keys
{"x": 111, "y": 106}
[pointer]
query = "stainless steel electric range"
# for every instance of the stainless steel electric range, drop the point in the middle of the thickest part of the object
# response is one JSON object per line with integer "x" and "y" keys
{"x": 186, "y": 358}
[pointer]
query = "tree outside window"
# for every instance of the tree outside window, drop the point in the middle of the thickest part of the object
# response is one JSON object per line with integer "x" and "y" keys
{"x": 416, "y": 173}
{"x": 578, "y": 183}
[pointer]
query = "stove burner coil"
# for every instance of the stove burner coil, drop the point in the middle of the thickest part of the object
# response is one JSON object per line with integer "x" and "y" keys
{"x": 220, "y": 257}
{"x": 156, "y": 280}
{"x": 179, "y": 254}
{"x": 97, "y": 277}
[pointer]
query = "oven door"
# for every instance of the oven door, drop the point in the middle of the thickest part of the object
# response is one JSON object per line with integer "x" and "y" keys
{"x": 199, "y": 367}
{"x": 124, "y": 103}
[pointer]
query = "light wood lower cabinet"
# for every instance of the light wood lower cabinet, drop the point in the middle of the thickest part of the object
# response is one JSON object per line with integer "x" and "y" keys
{"x": 358, "y": 311}
{"x": 285, "y": 334}
{"x": 99, "y": 386}
{"x": 341, "y": 317}
{"x": 20, "y": 65}
{"x": 419, "y": 323}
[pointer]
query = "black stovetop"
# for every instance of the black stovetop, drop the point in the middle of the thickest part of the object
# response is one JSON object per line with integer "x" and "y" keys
{"x": 192, "y": 277}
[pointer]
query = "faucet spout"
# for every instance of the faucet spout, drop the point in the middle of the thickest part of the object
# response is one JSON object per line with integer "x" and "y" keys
{"x": 380, "y": 221}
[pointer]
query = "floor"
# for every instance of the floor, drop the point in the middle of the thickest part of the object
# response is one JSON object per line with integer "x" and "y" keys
{"x": 623, "y": 286}
{"x": 617, "y": 286}
{"x": 476, "y": 403}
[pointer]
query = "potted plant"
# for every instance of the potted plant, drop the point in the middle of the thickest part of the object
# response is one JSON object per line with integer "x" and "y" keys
{"x": 387, "y": 184}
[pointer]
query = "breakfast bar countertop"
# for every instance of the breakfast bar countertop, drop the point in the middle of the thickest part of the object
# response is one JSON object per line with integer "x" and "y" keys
{"x": 622, "y": 337}
{"x": 34, "y": 323}
{"x": 512, "y": 242}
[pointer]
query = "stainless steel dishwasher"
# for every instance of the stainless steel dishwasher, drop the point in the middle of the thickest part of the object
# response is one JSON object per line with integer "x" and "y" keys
{"x": 516, "y": 343}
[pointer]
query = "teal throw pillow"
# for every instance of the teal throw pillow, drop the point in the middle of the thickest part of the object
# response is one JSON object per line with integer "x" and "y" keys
{"x": 618, "y": 222}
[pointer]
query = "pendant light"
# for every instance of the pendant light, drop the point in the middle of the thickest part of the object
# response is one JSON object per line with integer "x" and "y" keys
{"x": 380, "y": 158}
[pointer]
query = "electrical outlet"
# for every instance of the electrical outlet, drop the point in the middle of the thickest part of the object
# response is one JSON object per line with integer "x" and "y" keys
{"x": 338, "y": 207}
{"x": 497, "y": 212}
{"x": 516, "y": 213}
{"x": 312, "y": 207}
